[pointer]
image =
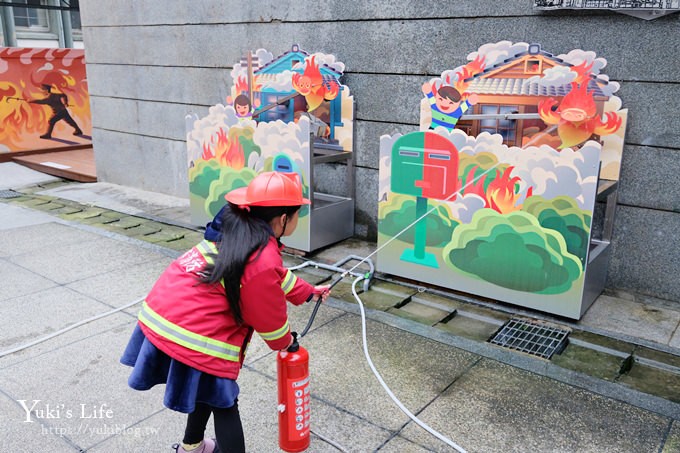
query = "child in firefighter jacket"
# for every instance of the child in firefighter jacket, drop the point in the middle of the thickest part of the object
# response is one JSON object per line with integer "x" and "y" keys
{"x": 196, "y": 323}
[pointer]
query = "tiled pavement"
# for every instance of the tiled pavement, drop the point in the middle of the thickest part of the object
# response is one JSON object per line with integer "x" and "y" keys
{"x": 614, "y": 388}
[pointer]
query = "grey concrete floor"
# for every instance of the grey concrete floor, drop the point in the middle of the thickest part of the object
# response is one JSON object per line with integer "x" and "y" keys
{"x": 69, "y": 393}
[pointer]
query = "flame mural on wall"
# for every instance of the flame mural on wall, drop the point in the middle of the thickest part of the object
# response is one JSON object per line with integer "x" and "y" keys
{"x": 44, "y": 99}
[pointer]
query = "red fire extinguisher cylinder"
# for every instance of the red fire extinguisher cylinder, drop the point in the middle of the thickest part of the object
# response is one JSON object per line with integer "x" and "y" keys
{"x": 294, "y": 398}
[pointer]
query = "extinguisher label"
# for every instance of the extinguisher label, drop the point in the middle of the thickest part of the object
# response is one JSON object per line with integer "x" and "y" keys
{"x": 299, "y": 395}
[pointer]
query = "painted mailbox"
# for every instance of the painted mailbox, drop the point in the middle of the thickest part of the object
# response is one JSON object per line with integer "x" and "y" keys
{"x": 495, "y": 196}
{"x": 283, "y": 113}
{"x": 44, "y": 99}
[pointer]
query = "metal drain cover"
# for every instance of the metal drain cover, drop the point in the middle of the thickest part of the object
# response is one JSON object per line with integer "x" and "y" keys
{"x": 534, "y": 338}
{"x": 9, "y": 194}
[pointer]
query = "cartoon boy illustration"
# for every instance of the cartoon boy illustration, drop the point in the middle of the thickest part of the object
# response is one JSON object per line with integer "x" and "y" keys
{"x": 58, "y": 103}
{"x": 447, "y": 107}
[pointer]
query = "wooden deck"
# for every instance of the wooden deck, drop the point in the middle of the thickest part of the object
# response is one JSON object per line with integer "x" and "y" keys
{"x": 77, "y": 165}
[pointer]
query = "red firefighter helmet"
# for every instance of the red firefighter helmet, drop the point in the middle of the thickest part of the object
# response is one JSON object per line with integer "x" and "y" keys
{"x": 270, "y": 189}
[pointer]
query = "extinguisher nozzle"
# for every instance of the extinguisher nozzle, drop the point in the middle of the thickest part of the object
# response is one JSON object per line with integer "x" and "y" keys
{"x": 295, "y": 346}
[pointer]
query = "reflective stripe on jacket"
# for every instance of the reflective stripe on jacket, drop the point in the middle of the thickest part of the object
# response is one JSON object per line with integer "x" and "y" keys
{"x": 192, "y": 322}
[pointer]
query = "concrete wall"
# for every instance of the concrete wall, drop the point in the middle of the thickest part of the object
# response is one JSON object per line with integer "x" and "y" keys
{"x": 150, "y": 63}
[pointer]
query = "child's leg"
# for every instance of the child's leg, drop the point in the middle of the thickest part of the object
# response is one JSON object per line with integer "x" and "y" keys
{"x": 196, "y": 423}
{"x": 229, "y": 430}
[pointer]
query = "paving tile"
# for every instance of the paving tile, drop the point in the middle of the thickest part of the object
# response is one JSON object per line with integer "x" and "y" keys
{"x": 77, "y": 335}
{"x": 336, "y": 358}
{"x": 42, "y": 313}
{"x": 602, "y": 341}
{"x": 420, "y": 313}
{"x": 27, "y": 436}
{"x": 653, "y": 381}
{"x": 632, "y": 318}
{"x": 17, "y": 217}
{"x": 257, "y": 404}
{"x": 123, "y": 285}
{"x": 40, "y": 237}
{"x": 658, "y": 356}
{"x": 675, "y": 340}
{"x": 379, "y": 300}
{"x": 400, "y": 445}
{"x": 17, "y": 281}
{"x": 155, "y": 433}
{"x": 83, "y": 377}
{"x": 434, "y": 300}
{"x": 672, "y": 444}
{"x": 142, "y": 230}
{"x": 464, "y": 326}
{"x": 166, "y": 234}
{"x": 66, "y": 263}
{"x": 86, "y": 213}
{"x": 590, "y": 362}
{"x": 125, "y": 222}
{"x": 298, "y": 317}
{"x": 497, "y": 408}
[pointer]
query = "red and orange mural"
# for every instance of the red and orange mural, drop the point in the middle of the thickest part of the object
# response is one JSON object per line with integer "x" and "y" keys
{"x": 44, "y": 99}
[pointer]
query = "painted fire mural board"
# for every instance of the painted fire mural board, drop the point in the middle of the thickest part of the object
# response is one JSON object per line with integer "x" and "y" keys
{"x": 295, "y": 97}
{"x": 44, "y": 99}
{"x": 504, "y": 175}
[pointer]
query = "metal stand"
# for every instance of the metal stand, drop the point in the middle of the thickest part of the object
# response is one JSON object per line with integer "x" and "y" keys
{"x": 331, "y": 216}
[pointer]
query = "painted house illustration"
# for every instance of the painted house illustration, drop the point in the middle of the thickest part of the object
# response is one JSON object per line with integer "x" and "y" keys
{"x": 270, "y": 91}
{"x": 512, "y": 87}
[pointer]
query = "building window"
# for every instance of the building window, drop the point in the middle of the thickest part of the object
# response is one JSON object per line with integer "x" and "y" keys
{"x": 75, "y": 16}
{"x": 532, "y": 66}
{"x": 31, "y": 19}
{"x": 502, "y": 126}
{"x": 280, "y": 112}
{"x": 47, "y": 20}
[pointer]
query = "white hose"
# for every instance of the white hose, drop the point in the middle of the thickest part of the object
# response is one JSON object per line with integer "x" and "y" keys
{"x": 66, "y": 329}
{"x": 403, "y": 408}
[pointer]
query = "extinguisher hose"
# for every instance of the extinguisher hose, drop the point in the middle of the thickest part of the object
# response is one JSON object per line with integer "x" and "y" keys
{"x": 318, "y": 304}
{"x": 403, "y": 408}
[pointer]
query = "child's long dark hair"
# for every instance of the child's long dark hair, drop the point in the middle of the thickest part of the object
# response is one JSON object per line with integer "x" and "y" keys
{"x": 243, "y": 233}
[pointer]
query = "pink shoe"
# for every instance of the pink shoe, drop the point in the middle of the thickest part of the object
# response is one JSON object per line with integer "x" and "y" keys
{"x": 207, "y": 446}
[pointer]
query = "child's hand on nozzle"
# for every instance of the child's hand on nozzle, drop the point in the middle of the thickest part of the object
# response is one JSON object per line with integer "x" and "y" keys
{"x": 322, "y": 291}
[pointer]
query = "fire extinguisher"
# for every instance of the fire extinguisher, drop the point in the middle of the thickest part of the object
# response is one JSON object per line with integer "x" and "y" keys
{"x": 294, "y": 397}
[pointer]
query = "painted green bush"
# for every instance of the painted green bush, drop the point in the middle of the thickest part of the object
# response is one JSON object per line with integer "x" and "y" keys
{"x": 201, "y": 176}
{"x": 563, "y": 215}
{"x": 228, "y": 180}
{"x": 513, "y": 251}
{"x": 401, "y": 212}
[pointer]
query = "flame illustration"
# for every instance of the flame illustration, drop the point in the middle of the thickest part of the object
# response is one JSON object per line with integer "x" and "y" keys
{"x": 469, "y": 70}
{"x": 241, "y": 85}
{"x": 576, "y": 115}
{"x": 227, "y": 151}
{"x": 501, "y": 194}
{"x": 311, "y": 85}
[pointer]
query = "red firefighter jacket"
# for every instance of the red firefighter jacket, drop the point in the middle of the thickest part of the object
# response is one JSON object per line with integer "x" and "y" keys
{"x": 192, "y": 322}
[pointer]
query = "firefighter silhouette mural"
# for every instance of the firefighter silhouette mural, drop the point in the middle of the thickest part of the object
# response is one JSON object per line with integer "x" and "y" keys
{"x": 44, "y": 99}
{"x": 497, "y": 199}
{"x": 58, "y": 103}
{"x": 425, "y": 165}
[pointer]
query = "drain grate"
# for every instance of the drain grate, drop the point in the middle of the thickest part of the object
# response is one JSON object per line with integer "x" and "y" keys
{"x": 531, "y": 337}
{"x": 9, "y": 194}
